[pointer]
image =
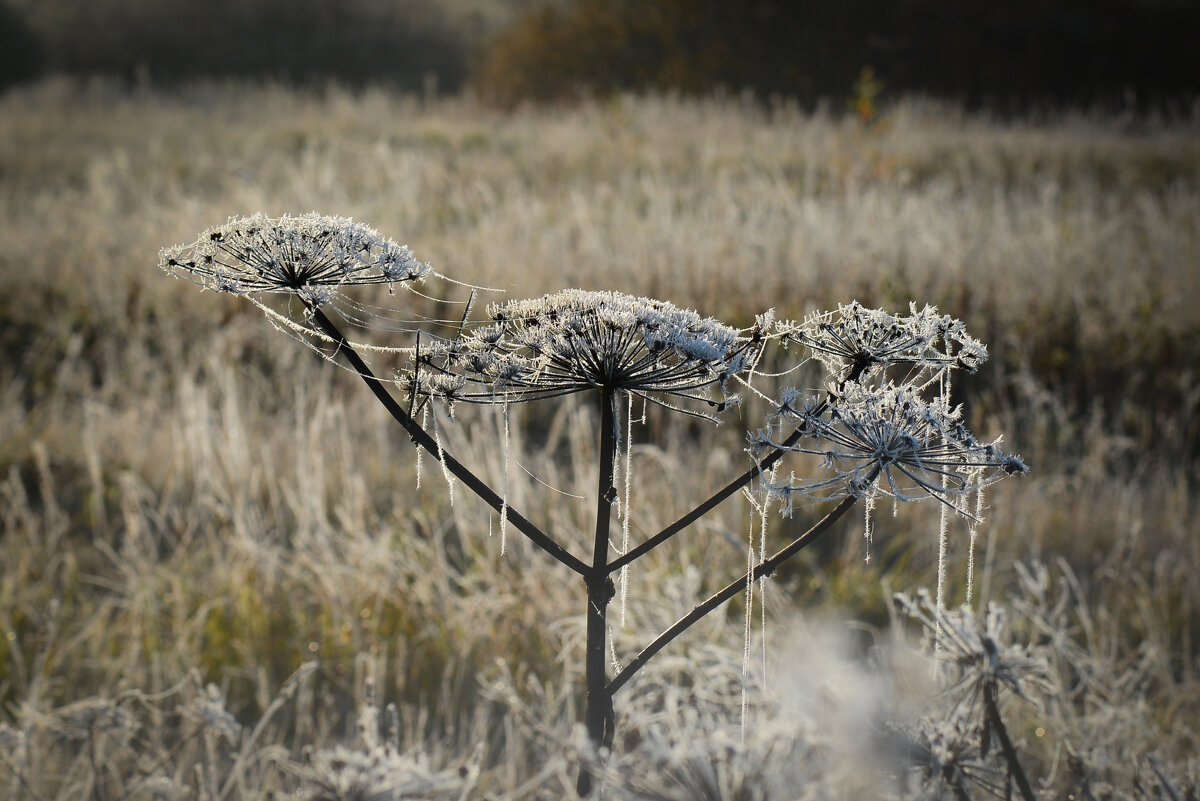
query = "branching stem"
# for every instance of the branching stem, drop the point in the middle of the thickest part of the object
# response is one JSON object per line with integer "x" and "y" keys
{"x": 456, "y": 468}
{"x": 719, "y": 497}
{"x": 723, "y": 494}
{"x": 762, "y": 569}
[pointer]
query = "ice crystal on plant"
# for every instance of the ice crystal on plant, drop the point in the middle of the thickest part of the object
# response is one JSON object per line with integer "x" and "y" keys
{"x": 979, "y": 651}
{"x": 946, "y": 754}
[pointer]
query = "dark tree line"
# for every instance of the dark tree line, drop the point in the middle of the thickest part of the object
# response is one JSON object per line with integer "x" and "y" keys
{"x": 999, "y": 54}
{"x": 978, "y": 52}
{"x": 399, "y": 42}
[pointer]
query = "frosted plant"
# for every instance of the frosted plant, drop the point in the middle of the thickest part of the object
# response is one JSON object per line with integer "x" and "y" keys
{"x": 85, "y": 719}
{"x": 581, "y": 341}
{"x": 875, "y": 437}
{"x": 863, "y": 341}
{"x": 982, "y": 662}
{"x": 208, "y": 711}
{"x": 876, "y": 431}
{"x": 310, "y": 255}
{"x": 946, "y": 753}
{"x": 380, "y": 774}
{"x": 886, "y": 441}
{"x": 313, "y": 257}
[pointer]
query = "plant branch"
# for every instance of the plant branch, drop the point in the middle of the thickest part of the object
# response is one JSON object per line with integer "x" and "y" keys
{"x": 723, "y": 494}
{"x": 764, "y": 568}
{"x": 1010, "y": 753}
{"x": 707, "y": 506}
{"x": 422, "y": 438}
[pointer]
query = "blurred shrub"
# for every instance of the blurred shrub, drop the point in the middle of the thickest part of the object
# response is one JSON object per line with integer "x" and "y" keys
{"x": 1006, "y": 54}
{"x": 402, "y": 42}
{"x": 20, "y": 50}
{"x": 600, "y": 46}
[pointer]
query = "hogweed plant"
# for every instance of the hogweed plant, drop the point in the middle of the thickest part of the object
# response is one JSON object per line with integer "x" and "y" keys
{"x": 880, "y": 428}
{"x": 980, "y": 663}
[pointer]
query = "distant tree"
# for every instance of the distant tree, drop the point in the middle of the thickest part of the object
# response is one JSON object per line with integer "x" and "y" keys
{"x": 358, "y": 41}
{"x": 20, "y": 50}
{"x": 1067, "y": 50}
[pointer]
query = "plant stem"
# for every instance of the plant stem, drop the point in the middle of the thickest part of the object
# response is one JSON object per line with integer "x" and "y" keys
{"x": 719, "y": 497}
{"x": 598, "y": 711}
{"x": 723, "y": 494}
{"x": 1010, "y": 753}
{"x": 456, "y": 468}
{"x": 764, "y": 568}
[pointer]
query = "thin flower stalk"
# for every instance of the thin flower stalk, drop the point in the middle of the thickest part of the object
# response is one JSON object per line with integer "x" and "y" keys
{"x": 599, "y": 718}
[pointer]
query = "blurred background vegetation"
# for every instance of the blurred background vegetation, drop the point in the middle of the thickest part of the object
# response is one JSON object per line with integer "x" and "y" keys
{"x": 184, "y": 492}
{"x": 1003, "y": 55}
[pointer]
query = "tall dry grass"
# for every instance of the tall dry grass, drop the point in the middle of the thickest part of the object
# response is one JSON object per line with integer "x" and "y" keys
{"x": 189, "y": 498}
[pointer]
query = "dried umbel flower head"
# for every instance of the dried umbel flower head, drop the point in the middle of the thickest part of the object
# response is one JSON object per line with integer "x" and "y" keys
{"x": 980, "y": 652}
{"x": 944, "y": 751}
{"x": 310, "y": 255}
{"x": 341, "y": 774}
{"x": 578, "y": 340}
{"x": 207, "y": 710}
{"x": 84, "y": 719}
{"x": 860, "y": 341}
{"x": 885, "y": 441}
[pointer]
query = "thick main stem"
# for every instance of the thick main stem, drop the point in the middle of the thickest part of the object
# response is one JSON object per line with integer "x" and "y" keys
{"x": 421, "y": 437}
{"x": 598, "y": 709}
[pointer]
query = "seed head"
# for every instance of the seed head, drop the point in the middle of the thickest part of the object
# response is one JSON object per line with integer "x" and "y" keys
{"x": 577, "y": 340}
{"x": 979, "y": 651}
{"x": 887, "y": 441}
{"x": 311, "y": 256}
{"x": 862, "y": 341}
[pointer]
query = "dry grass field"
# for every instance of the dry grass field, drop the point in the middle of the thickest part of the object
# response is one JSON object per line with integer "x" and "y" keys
{"x": 217, "y": 568}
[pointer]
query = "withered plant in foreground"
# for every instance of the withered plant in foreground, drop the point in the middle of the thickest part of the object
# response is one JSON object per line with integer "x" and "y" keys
{"x": 881, "y": 427}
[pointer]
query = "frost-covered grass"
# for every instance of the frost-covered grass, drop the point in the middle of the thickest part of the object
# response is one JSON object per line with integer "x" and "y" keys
{"x": 190, "y": 499}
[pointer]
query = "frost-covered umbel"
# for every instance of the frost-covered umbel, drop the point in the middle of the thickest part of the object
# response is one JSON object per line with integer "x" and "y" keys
{"x": 342, "y": 774}
{"x": 577, "y": 340}
{"x": 980, "y": 652}
{"x": 310, "y": 255}
{"x": 862, "y": 340}
{"x": 877, "y": 436}
{"x": 884, "y": 441}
